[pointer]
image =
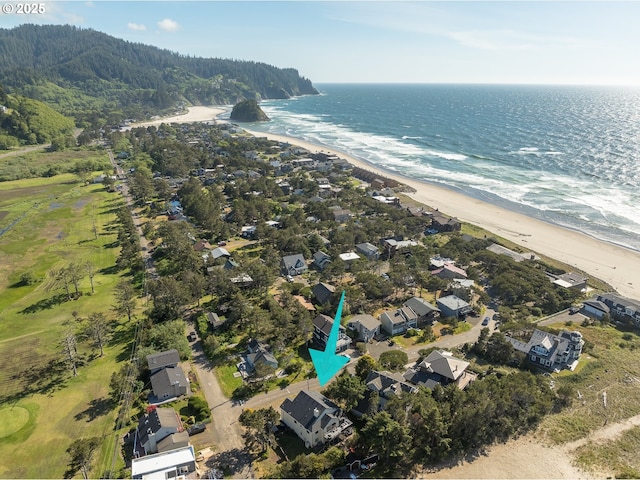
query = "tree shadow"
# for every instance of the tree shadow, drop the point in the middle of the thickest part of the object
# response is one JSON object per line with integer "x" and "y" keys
{"x": 97, "y": 408}
{"x": 231, "y": 462}
{"x": 111, "y": 270}
{"x": 45, "y": 303}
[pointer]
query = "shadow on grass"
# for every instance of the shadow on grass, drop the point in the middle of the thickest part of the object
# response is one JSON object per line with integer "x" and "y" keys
{"x": 97, "y": 407}
{"x": 231, "y": 462}
{"x": 45, "y": 304}
{"x": 112, "y": 270}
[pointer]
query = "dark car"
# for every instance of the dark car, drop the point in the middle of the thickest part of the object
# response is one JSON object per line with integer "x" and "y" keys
{"x": 485, "y": 322}
{"x": 192, "y": 336}
{"x": 197, "y": 428}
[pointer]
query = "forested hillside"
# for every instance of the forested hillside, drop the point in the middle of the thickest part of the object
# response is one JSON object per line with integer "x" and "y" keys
{"x": 24, "y": 121}
{"x": 85, "y": 72}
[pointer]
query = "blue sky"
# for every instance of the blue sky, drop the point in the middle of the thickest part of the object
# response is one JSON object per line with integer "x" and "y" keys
{"x": 384, "y": 41}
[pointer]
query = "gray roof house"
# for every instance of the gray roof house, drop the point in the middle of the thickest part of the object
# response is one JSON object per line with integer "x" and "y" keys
{"x": 170, "y": 382}
{"x": 398, "y": 321}
{"x": 452, "y": 306}
{"x": 368, "y": 250}
{"x": 323, "y": 292}
{"x": 293, "y": 265}
{"x": 314, "y": 418}
{"x": 153, "y": 427}
{"x": 424, "y": 310}
{"x": 321, "y": 260}
{"x": 551, "y": 352}
{"x": 440, "y": 367}
{"x": 322, "y": 328}
{"x": 259, "y": 353}
{"x": 214, "y": 320}
{"x": 388, "y": 385}
{"x": 595, "y": 308}
{"x": 622, "y": 307}
{"x": 158, "y": 361}
{"x": 366, "y": 325}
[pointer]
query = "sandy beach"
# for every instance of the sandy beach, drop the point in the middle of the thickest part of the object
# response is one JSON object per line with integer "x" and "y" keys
{"x": 615, "y": 265}
{"x": 193, "y": 114}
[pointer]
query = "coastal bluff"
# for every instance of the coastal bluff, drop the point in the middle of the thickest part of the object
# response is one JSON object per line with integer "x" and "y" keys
{"x": 248, "y": 111}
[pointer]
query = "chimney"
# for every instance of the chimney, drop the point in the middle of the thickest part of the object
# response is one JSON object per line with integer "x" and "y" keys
{"x": 316, "y": 412}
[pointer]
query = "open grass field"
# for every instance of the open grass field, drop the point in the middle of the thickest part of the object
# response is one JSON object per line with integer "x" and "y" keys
{"x": 609, "y": 364}
{"x": 36, "y": 164}
{"x": 43, "y": 408}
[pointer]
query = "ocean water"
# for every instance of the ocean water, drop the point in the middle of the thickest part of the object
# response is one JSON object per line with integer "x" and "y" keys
{"x": 566, "y": 155}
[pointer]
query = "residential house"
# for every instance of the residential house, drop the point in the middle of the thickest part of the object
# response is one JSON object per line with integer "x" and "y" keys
{"x": 321, "y": 260}
{"x": 551, "y": 352}
{"x": 214, "y": 320}
{"x": 439, "y": 262}
{"x": 517, "y": 257}
{"x": 248, "y": 231}
{"x": 170, "y": 382}
{"x": 449, "y": 272}
{"x": 201, "y": 245}
{"x": 595, "y": 308}
{"x": 342, "y": 215}
{"x": 425, "y": 312}
{"x": 259, "y": 353}
{"x": 349, "y": 257}
{"x": 293, "y": 265}
{"x": 322, "y": 328}
{"x": 388, "y": 385}
{"x": 462, "y": 288}
{"x": 153, "y": 427}
{"x": 367, "y": 326}
{"x": 452, "y": 306}
{"x": 314, "y": 418}
{"x": 219, "y": 252}
{"x": 368, "y": 250}
{"x": 242, "y": 280}
{"x": 396, "y": 322}
{"x": 622, "y": 308}
{"x": 570, "y": 280}
{"x": 440, "y": 367}
{"x": 323, "y": 292}
{"x": 176, "y": 463}
{"x": 158, "y": 361}
{"x": 444, "y": 223}
{"x": 393, "y": 245}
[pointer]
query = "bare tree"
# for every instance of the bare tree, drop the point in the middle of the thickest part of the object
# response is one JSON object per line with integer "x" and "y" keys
{"x": 69, "y": 344}
{"x": 60, "y": 278}
{"x": 91, "y": 272}
{"x": 99, "y": 329}
{"x": 75, "y": 273}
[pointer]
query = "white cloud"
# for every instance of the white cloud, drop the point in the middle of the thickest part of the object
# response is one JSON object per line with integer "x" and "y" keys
{"x": 509, "y": 40}
{"x": 169, "y": 25}
{"x": 136, "y": 27}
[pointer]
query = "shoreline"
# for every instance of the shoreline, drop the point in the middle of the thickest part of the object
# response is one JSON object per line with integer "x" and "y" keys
{"x": 606, "y": 261}
{"x": 609, "y": 262}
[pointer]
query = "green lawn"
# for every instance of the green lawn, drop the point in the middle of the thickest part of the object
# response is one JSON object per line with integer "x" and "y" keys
{"x": 57, "y": 228}
{"x": 228, "y": 383}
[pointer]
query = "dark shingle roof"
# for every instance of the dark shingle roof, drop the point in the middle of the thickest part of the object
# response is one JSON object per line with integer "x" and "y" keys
{"x": 162, "y": 381}
{"x": 163, "y": 359}
{"x": 302, "y": 407}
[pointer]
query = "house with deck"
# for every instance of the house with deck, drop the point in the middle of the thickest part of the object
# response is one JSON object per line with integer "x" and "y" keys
{"x": 622, "y": 308}
{"x": 440, "y": 367}
{"x": 322, "y": 328}
{"x": 293, "y": 265}
{"x": 549, "y": 351}
{"x": 314, "y": 418}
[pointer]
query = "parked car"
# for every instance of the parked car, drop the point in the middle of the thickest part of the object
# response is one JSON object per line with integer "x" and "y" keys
{"x": 197, "y": 428}
{"x": 485, "y": 322}
{"x": 192, "y": 337}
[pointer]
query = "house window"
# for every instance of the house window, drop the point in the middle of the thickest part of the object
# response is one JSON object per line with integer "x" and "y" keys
{"x": 533, "y": 358}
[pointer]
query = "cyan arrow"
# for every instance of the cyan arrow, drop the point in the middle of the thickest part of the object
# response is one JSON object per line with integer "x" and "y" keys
{"x": 327, "y": 363}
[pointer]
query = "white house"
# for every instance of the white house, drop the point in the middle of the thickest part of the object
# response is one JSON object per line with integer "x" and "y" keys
{"x": 313, "y": 417}
{"x": 175, "y": 463}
